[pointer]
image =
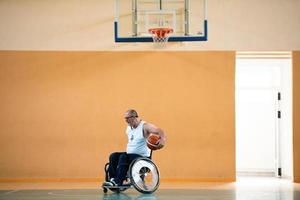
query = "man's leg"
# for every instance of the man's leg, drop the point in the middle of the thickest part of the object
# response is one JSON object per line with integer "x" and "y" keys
{"x": 132, "y": 157}
{"x": 113, "y": 163}
{"x": 120, "y": 162}
{"x": 122, "y": 169}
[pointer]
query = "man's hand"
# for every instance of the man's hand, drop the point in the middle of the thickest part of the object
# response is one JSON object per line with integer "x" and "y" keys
{"x": 150, "y": 128}
{"x": 161, "y": 143}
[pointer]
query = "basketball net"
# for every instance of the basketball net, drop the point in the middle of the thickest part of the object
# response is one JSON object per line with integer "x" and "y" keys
{"x": 160, "y": 36}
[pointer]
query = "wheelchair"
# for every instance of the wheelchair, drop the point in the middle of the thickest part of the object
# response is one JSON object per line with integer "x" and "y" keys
{"x": 142, "y": 174}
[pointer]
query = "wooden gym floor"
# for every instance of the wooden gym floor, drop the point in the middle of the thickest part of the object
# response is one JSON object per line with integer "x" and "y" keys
{"x": 256, "y": 188}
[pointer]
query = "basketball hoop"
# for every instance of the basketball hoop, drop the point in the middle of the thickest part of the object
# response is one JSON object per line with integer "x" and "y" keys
{"x": 160, "y": 35}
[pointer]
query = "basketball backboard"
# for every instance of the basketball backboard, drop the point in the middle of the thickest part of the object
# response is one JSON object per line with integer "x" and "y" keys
{"x": 134, "y": 18}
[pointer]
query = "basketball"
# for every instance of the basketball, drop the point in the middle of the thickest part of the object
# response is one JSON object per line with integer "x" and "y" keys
{"x": 152, "y": 141}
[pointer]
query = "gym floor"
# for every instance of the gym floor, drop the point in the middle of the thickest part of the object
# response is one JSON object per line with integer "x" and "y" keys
{"x": 246, "y": 188}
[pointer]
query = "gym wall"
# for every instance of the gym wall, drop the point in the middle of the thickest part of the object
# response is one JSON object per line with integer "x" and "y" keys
{"x": 62, "y": 112}
{"x": 296, "y": 114}
{"x": 248, "y": 25}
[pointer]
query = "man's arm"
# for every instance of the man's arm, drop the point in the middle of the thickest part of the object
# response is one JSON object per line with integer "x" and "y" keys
{"x": 150, "y": 128}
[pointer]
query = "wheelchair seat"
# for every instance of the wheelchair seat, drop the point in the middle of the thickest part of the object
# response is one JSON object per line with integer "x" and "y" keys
{"x": 142, "y": 174}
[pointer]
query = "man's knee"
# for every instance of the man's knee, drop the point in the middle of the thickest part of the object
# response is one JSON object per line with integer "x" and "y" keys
{"x": 114, "y": 156}
{"x": 123, "y": 159}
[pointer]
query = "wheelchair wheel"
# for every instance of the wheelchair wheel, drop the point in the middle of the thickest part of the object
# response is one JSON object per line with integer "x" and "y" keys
{"x": 144, "y": 175}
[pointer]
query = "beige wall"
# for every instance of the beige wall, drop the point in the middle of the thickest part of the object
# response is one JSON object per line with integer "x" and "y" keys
{"x": 296, "y": 114}
{"x": 88, "y": 25}
{"x": 62, "y": 112}
{"x": 61, "y": 107}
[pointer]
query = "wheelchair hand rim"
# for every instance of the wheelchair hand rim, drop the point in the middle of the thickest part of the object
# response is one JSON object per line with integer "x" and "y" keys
{"x": 144, "y": 175}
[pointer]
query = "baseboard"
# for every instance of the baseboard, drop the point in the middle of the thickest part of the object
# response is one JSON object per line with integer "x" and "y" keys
{"x": 249, "y": 173}
{"x": 49, "y": 180}
{"x": 74, "y": 180}
{"x": 196, "y": 180}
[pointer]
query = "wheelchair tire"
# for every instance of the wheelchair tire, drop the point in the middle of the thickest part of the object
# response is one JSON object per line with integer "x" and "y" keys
{"x": 144, "y": 175}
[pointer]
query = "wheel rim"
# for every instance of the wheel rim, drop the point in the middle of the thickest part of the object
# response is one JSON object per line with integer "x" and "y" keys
{"x": 145, "y": 175}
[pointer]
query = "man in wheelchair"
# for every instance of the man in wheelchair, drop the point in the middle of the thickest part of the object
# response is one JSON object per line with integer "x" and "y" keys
{"x": 137, "y": 132}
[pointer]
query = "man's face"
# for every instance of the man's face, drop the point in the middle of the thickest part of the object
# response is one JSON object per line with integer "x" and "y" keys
{"x": 129, "y": 119}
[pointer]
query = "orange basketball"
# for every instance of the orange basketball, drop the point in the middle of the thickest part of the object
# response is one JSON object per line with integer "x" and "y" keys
{"x": 152, "y": 141}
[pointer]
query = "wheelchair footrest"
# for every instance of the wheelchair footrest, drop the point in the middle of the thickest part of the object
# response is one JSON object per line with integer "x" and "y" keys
{"x": 124, "y": 186}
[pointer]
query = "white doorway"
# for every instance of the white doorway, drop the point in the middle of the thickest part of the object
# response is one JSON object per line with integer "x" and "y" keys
{"x": 256, "y": 120}
{"x": 264, "y": 114}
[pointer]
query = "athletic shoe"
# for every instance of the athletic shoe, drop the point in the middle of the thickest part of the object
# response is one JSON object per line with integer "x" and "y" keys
{"x": 110, "y": 183}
